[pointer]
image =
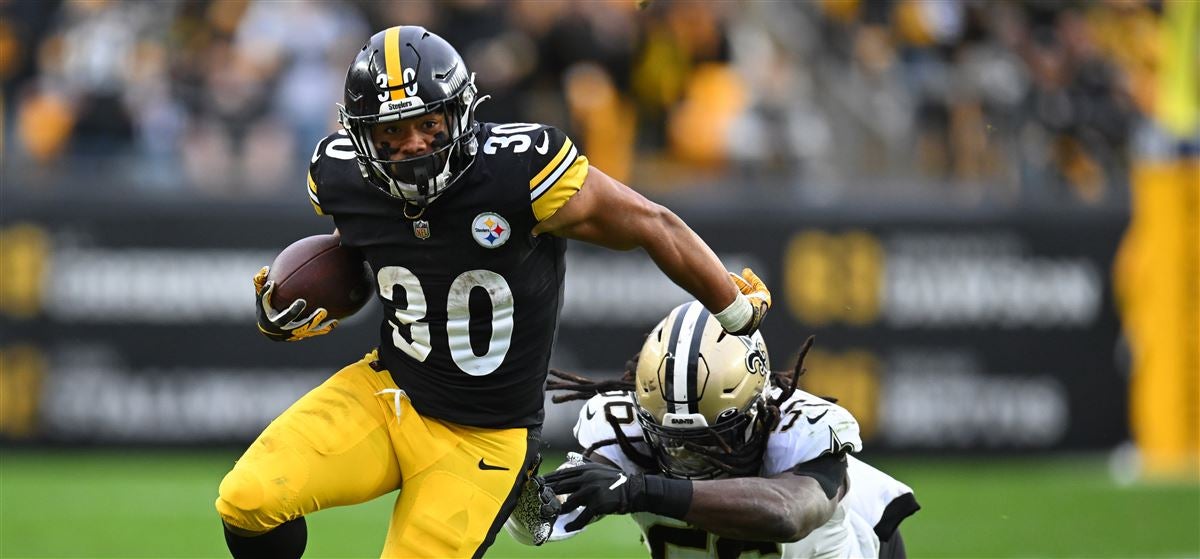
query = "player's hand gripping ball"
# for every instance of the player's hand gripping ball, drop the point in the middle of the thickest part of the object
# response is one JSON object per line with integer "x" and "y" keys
{"x": 316, "y": 274}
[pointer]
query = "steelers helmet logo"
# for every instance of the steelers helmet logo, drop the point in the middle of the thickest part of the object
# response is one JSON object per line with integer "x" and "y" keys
{"x": 490, "y": 230}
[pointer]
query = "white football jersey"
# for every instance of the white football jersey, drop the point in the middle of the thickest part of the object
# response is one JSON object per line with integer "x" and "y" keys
{"x": 882, "y": 500}
{"x": 809, "y": 427}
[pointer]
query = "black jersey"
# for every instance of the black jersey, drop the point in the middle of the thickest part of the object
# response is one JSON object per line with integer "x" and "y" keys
{"x": 471, "y": 298}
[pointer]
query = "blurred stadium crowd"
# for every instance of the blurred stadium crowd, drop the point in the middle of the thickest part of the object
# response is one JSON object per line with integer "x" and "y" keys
{"x": 977, "y": 102}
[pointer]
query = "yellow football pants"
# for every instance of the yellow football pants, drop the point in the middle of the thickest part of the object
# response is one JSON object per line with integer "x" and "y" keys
{"x": 355, "y": 438}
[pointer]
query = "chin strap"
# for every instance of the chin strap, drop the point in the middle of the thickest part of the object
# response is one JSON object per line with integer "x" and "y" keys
{"x": 412, "y": 217}
{"x": 422, "y": 183}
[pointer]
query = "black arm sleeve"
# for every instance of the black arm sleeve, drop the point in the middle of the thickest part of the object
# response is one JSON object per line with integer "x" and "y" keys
{"x": 893, "y": 548}
{"x": 829, "y": 470}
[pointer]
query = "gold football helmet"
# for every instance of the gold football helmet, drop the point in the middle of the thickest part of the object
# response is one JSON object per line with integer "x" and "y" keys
{"x": 700, "y": 398}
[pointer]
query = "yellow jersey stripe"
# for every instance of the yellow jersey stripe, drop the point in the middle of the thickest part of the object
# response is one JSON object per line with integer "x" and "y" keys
{"x": 391, "y": 55}
{"x": 312, "y": 195}
{"x": 554, "y": 176}
{"x": 562, "y": 190}
{"x": 536, "y": 181}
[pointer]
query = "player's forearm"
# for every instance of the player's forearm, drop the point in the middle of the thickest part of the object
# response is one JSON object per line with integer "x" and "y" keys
{"x": 685, "y": 258}
{"x": 756, "y": 509}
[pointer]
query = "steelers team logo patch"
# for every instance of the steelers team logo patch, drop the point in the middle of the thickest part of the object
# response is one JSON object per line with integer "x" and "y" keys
{"x": 490, "y": 230}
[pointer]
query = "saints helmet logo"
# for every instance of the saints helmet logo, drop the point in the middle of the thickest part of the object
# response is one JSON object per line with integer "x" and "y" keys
{"x": 756, "y": 356}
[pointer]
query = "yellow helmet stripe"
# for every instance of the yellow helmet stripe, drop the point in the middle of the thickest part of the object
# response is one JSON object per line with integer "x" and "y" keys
{"x": 391, "y": 54}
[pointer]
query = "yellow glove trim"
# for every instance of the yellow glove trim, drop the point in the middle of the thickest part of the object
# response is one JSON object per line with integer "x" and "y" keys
{"x": 743, "y": 316}
{"x": 260, "y": 279}
{"x": 751, "y": 286}
{"x": 313, "y": 327}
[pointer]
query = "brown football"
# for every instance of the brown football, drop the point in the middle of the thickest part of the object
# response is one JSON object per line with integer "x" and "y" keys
{"x": 324, "y": 273}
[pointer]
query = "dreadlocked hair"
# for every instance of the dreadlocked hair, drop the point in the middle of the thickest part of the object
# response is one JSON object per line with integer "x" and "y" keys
{"x": 788, "y": 383}
{"x": 582, "y": 388}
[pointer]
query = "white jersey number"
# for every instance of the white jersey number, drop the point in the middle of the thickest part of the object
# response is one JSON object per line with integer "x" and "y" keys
{"x": 512, "y": 135}
{"x": 458, "y": 316}
{"x": 340, "y": 148}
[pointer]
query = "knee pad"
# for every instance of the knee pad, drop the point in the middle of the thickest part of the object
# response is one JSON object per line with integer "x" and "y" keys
{"x": 264, "y": 488}
{"x": 241, "y": 501}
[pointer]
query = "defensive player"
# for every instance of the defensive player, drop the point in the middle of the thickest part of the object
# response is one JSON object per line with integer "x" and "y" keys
{"x": 464, "y": 226}
{"x": 715, "y": 456}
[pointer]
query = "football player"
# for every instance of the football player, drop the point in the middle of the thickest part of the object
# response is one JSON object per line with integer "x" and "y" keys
{"x": 715, "y": 456}
{"x": 464, "y": 226}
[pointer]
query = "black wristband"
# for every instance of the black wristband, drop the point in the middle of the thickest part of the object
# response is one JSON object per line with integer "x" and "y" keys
{"x": 668, "y": 497}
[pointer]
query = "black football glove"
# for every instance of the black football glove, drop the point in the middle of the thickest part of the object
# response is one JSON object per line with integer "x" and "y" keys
{"x": 602, "y": 489}
{"x": 285, "y": 325}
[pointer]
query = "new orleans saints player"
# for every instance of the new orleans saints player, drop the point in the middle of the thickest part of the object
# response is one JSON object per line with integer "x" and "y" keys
{"x": 714, "y": 456}
{"x": 464, "y": 226}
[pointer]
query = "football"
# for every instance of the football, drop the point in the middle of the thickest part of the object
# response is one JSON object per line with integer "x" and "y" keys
{"x": 324, "y": 273}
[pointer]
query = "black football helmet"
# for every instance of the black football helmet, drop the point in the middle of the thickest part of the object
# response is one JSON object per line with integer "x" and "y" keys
{"x": 405, "y": 72}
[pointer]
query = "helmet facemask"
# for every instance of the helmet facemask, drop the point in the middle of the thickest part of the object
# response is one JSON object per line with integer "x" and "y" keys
{"x": 731, "y": 447}
{"x": 418, "y": 180}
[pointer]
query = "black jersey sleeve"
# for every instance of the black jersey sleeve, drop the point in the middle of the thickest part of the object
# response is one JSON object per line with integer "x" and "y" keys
{"x": 312, "y": 193}
{"x": 544, "y": 157}
{"x": 330, "y": 159}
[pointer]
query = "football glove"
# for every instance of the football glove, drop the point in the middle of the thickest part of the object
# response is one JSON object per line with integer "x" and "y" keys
{"x": 759, "y": 297}
{"x": 532, "y": 521}
{"x": 286, "y": 325}
{"x": 601, "y": 489}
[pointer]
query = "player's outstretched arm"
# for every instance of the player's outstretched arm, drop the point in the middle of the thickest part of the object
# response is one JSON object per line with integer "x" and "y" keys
{"x": 783, "y": 508}
{"x": 605, "y": 212}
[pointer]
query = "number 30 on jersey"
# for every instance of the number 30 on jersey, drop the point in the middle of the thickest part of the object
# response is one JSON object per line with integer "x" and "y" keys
{"x": 458, "y": 317}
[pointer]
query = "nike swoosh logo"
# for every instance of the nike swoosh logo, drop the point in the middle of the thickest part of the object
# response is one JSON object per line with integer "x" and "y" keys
{"x": 485, "y": 466}
{"x": 814, "y": 420}
{"x": 545, "y": 147}
{"x": 588, "y": 412}
{"x": 620, "y": 481}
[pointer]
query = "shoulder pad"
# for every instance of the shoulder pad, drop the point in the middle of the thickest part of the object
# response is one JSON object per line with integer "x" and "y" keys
{"x": 809, "y": 427}
{"x": 335, "y": 147}
{"x": 593, "y": 427}
{"x": 538, "y": 155}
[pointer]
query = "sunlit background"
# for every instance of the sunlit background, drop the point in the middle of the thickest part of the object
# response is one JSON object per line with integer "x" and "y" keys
{"x": 988, "y": 212}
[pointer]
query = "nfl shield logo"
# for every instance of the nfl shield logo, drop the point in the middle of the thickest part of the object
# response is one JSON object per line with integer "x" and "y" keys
{"x": 421, "y": 229}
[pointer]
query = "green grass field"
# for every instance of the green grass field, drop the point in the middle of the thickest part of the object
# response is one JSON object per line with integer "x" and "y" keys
{"x": 159, "y": 504}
